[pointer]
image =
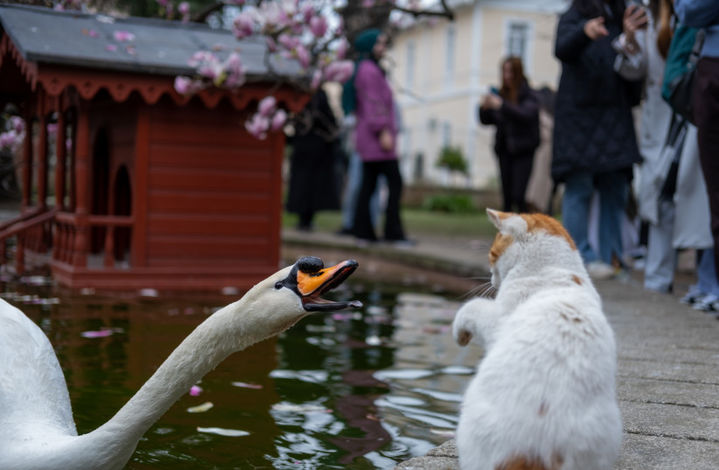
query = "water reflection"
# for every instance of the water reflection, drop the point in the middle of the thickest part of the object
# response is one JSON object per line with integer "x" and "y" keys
{"x": 346, "y": 390}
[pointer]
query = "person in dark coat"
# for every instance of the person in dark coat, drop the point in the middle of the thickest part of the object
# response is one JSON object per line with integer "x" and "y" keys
{"x": 515, "y": 112}
{"x": 594, "y": 139}
{"x": 313, "y": 176}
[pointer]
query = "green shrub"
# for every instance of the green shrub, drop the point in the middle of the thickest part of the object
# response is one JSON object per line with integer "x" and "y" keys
{"x": 452, "y": 159}
{"x": 452, "y": 203}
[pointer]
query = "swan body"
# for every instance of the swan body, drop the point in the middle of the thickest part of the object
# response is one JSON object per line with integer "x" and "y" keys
{"x": 35, "y": 412}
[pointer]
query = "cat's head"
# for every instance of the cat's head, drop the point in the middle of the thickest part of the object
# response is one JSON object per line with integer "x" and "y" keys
{"x": 534, "y": 240}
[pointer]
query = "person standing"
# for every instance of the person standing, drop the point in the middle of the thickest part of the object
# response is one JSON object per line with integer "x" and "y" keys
{"x": 594, "y": 140}
{"x": 514, "y": 109}
{"x": 375, "y": 137}
{"x": 315, "y": 146}
{"x": 705, "y": 14}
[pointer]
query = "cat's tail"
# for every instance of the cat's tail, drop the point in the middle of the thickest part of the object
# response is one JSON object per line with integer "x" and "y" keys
{"x": 526, "y": 463}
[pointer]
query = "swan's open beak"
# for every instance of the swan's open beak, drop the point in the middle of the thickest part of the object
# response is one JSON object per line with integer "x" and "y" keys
{"x": 311, "y": 280}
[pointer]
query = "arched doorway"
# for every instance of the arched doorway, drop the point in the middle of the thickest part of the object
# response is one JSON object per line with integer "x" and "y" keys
{"x": 123, "y": 206}
{"x": 100, "y": 187}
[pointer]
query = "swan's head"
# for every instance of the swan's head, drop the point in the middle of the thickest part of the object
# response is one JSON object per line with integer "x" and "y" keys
{"x": 308, "y": 279}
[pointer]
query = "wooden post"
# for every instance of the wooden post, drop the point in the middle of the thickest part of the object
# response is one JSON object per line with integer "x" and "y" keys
{"x": 138, "y": 256}
{"x": 42, "y": 162}
{"x": 61, "y": 153}
{"x": 82, "y": 180}
{"x": 27, "y": 163}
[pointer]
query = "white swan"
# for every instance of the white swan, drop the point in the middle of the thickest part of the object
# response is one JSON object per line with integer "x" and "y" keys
{"x": 37, "y": 431}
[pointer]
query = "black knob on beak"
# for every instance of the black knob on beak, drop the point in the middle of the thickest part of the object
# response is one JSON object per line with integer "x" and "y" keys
{"x": 310, "y": 264}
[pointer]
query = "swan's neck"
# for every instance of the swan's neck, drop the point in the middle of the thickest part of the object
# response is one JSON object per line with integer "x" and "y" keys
{"x": 198, "y": 354}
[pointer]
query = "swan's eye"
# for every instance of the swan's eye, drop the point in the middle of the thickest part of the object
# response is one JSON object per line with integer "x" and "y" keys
{"x": 279, "y": 285}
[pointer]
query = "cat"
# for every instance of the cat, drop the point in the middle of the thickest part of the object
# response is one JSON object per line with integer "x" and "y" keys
{"x": 543, "y": 397}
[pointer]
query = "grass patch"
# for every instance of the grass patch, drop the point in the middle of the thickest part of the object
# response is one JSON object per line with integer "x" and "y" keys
{"x": 417, "y": 222}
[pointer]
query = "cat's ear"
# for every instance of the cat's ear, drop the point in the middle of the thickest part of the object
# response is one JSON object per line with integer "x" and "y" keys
{"x": 496, "y": 217}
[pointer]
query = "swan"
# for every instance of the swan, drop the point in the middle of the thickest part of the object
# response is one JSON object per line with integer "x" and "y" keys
{"x": 38, "y": 431}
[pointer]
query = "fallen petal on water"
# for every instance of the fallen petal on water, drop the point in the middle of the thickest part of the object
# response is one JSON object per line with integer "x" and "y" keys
{"x": 195, "y": 390}
{"x": 246, "y": 385}
{"x": 200, "y": 408}
{"x": 97, "y": 333}
{"x": 224, "y": 432}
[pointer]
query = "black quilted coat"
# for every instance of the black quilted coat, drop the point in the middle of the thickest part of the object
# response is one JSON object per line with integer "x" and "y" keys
{"x": 593, "y": 128}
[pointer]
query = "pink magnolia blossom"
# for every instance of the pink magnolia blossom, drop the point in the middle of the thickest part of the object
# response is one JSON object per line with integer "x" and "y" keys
{"x": 339, "y": 71}
{"x": 123, "y": 36}
{"x": 243, "y": 25}
{"x": 52, "y": 128}
{"x": 258, "y": 126}
{"x": 184, "y": 10}
{"x": 8, "y": 140}
{"x": 183, "y": 85}
{"x": 303, "y": 56}
{"x": 278, "y": 120}
{"x": 367, "y": 3}
{"x": 267, "y": 106}
{"x": 288, "y": 42}
{"x": 341, "y": 50}
{"x": 162, "y": 3}
{"x": 234, "y": 70}
{"x": 307, "y": 11}
{"x": 316, "y": 79}
{"x": 17, "y": 124}
{"x": 318, "y": 26}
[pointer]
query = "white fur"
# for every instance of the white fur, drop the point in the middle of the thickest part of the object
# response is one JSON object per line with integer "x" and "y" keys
{"x": 546, "y": 387}
{"x": 38, "y": 432}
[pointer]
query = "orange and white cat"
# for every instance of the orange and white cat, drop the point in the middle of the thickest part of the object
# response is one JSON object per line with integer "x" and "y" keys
{"x": 544, "y": 394}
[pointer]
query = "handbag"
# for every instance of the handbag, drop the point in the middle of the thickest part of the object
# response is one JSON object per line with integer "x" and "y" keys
{"x": 680, "y": 70}
{"x": 662, "y": 176}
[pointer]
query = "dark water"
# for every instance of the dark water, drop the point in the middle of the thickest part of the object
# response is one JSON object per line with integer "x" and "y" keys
{"x": 364, "y": 389}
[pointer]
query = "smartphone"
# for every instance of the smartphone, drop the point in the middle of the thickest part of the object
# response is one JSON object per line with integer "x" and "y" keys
{"x": 494, "y": 90}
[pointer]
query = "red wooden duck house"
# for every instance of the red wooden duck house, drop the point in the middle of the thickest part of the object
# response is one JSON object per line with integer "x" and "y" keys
{"x": 152, "y": 189}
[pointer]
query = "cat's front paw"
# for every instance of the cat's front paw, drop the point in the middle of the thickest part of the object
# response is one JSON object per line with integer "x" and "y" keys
{"x": 462, "y": 328}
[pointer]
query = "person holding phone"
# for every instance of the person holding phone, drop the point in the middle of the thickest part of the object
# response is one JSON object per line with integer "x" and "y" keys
{"x": 514, "y": 110}
{"x": 595, "y": 144}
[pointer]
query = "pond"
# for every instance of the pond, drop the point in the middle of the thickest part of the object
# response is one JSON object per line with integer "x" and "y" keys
{"x": 354, "y": 389}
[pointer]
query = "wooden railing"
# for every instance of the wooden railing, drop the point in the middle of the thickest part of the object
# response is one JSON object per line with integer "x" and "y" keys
{"x": 32, "y": 230}
{"x": 69, "y": 251}
{"x": 48, "y": 229}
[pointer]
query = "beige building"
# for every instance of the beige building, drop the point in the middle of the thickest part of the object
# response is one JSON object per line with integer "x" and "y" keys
{"x": 440, "y": 70}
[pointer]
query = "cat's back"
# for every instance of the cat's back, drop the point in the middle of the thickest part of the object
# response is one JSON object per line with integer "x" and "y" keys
{"x": 548, "y": 382}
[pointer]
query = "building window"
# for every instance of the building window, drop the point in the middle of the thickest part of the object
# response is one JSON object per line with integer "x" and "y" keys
{"x": 446, "y": 134}
{"x": 518, "y": 40}
{"x": 451, "y": 39}
{"x": 411, "y": 51}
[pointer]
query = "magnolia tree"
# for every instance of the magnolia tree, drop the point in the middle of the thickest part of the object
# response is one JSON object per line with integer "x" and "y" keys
{"x": 309, "y": 32}
{"x": 13, "y": 134}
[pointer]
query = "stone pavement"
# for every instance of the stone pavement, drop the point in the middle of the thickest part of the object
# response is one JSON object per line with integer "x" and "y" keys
{"x": 668, "y": 376}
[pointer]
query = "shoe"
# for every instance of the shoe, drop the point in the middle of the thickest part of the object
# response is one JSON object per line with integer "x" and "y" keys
{"x": 708, "y": 303}
{"x": 402, "y": 243}
{"x": 344, "y": 231}
{"x": 692, "y": 296}
{"x": 599, "y": 270}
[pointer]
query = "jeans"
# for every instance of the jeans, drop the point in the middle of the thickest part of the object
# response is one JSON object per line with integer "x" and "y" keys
{"x": 661, "y": 255}
{"x": 349, "y": 202}
{"x": 613, "y": 188}
{"x": 706, "y": 274}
